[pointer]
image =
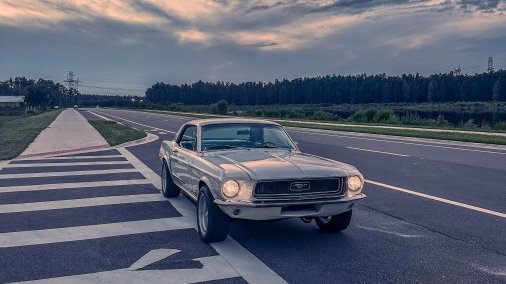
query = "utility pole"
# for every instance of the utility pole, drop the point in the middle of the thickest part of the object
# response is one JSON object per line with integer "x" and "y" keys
{"x": 457, "y": 71}
{"x": 490, "y": 68}
{"x": 71, "y": 81}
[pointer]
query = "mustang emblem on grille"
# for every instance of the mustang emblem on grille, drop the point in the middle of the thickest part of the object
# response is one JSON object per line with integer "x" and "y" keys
{"x": 300, "y": 185}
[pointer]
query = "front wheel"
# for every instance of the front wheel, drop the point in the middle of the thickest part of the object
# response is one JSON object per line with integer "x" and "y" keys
{"x": 212, "y": 223}
{"x": 169, "y": 189}
{"x": 335, "y": 223}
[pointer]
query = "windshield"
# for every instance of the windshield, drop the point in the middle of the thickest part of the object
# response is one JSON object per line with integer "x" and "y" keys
{"x": 243, "y": 135}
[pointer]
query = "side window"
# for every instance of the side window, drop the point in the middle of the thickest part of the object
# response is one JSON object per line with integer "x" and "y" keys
{"x": 188, "y": 138}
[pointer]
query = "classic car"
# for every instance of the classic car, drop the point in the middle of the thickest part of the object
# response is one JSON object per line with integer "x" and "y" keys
{"x": 252, "y": 169}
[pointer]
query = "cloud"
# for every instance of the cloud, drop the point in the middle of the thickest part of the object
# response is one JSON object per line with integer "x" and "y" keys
{"x": 259, "y": 39}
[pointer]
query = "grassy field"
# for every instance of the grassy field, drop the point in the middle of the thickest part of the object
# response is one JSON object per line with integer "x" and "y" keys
{"x": 17, "y": 132}
{"x": 115, "y": 133}
{"x": 474, "y": 116}
{"x": 463, "y": 137}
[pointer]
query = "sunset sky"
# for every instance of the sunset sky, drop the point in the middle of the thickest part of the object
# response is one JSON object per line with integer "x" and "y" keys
{"x": 129, "y": 45}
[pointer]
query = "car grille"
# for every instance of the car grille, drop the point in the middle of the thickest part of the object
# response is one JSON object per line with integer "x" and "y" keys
{"x": 284, "y": 190}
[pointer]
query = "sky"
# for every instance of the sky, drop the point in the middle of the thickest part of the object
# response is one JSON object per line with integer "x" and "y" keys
{"x": 124, "y": 46}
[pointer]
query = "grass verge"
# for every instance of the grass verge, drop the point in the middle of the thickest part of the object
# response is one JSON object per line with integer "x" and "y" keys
{"x": 17, "y": 132}
{"x": 451, "y": 136}
{"x": 115, "y": 133}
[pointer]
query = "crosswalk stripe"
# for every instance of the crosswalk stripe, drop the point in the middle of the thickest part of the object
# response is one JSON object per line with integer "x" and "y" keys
{"x": 71, "y": 157}
{"x": 71, "y": 185}
{"x": 82, "y": 202}
{"x": 244, "y": 262}
{"x": 67, "y": 234}
{"x": 65, "y": 164}
{"x": 62, "y": 174}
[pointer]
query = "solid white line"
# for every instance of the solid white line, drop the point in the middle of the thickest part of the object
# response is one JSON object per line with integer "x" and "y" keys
{"x": 70, "y": 157}
{"x": 447, "y": 201}
{"x": 398, "y": 142}
{"x": 34, "y": 165}
{"x": 67, "y": 234}
{"x": 62, "y": 174}
{"x": 145, "y": 125}
{"x": 38, "y": 187}
{"x": 380, "y": 152}
{"x": 244, "y": 262}
{"x": 103, "y": 117}
{"x": 82, "y": 202}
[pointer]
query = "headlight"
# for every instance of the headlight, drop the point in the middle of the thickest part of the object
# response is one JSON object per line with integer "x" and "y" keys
{"x": 230, "y": 188}
{"x": 355, "y": 184}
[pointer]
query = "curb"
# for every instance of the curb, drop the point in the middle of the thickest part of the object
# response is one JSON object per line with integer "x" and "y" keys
{"x": 148, "y": 139}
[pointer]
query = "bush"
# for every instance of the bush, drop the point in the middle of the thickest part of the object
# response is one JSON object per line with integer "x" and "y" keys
{"x": 500, "y": 126}
{"x": 470, "y": 124}
{"x": 220, "y": 107}
{"x": 324, "y": 115}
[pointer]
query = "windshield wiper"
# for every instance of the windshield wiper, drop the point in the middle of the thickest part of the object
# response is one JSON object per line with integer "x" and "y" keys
{"x": 217, "y": 147}
{"x": 267, "y": 145}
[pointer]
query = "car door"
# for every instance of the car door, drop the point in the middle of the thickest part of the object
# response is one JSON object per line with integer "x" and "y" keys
{"x": 182, "y": 156}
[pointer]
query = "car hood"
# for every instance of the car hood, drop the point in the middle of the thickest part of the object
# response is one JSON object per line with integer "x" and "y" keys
{"x": 278, "y": 164}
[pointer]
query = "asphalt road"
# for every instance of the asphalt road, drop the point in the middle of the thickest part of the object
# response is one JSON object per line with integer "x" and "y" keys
{"x": 434, "y": 214}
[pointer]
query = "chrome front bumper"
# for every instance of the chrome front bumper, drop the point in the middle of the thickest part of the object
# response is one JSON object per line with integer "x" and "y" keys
{"x": 272, "y": 211}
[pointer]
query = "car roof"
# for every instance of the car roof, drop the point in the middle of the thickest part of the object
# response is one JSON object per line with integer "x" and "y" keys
{"x": 213, "y": 121}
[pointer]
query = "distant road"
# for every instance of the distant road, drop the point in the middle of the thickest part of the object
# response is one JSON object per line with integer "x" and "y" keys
{"x": 435, "y": 211}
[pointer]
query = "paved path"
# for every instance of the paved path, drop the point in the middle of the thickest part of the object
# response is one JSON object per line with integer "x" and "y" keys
{"x": 70, "y": 131}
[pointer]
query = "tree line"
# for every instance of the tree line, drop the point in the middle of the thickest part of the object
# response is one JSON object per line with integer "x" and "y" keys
{"x": 41, "y": 93}
{"x": 47, "y": 94}
{"x": 337, "y": 89}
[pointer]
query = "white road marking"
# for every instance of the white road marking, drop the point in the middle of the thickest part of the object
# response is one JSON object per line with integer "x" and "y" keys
{"x": 148, "y": 126}
{"x": 68, "y": 234}
{"x": 103, "y": 117}
{"x": 37, "y": 187}
{"x": 380, "y": 152}
{"x": 398, "y": 142}
{"x": 151, "y": 257}
{"x": 71, "y": 157}
{"x": 447, "y": 201}
{"x": 82, "y": 202}
{"x": 62, "y": 174}
{"x": 244, "y": 262}
{"x": 213, "y": 268}
{"x": 66, "y": 164}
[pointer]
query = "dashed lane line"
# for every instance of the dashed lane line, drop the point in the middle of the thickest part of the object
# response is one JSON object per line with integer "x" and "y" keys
{"x": 244, "y": 262}
{"x": 68, "y": 234}
{"x": 379, "y": 152}
{"x": 65, "y": 164}
{"x": 290, "y": 129}
{"x": 447, "y": 201}
{"x": 69, "y": 185}
{"x": 62, "y": 174}
{"x": 82, "y": 202}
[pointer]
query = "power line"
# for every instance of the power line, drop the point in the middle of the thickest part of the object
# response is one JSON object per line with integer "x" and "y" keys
{"x": 113, "y": 89}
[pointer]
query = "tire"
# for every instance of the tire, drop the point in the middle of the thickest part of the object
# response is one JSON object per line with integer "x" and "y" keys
{"x": 336, "y": 223}
{"x": 212, "y": 223}
{"x": 169, "y": 189}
